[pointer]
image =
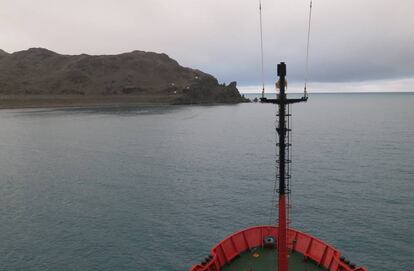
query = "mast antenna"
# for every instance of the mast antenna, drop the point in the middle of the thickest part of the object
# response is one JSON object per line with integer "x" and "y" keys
{"x": 307, "y": 50}
{"x": 261, "y": 47}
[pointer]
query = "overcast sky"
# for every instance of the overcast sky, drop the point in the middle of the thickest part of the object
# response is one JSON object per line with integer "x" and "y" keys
{"x": 363, "y": 44}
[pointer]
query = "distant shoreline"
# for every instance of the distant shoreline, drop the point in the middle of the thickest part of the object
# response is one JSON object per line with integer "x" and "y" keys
{"x": 51, "y": 101}
{"x": 336, "y": 92}
{"x": 72, "y": 101}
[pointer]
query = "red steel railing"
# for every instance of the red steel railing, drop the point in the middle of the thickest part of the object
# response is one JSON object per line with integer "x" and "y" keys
{"x": 309, "y": 246}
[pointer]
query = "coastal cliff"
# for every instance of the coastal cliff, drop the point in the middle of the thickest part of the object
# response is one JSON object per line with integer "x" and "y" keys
{"x": 40, "y": 77}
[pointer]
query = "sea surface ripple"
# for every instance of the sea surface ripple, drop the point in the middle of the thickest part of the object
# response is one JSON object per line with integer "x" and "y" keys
{"x": 154, "y": 188}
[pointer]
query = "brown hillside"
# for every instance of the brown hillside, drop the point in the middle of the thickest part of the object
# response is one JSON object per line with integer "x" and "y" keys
{"x": 40, "y": 72}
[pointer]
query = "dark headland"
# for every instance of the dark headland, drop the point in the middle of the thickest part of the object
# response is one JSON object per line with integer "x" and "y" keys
{"x": 38, "y": 77}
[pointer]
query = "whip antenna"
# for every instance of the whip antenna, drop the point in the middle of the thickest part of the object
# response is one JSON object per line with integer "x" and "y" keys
{"x": 261, "y": 46}
{"x": 307, "y": 49}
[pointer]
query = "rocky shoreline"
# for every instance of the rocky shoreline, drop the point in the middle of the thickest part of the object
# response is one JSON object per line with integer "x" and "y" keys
{"x": 50, "y": 101}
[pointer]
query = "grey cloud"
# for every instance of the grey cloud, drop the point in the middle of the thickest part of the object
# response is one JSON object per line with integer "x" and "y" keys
{"x": 351, "y": 40}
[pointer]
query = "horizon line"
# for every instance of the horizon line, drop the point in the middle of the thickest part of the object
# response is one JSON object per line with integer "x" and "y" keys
{"x": 334, "y": 92}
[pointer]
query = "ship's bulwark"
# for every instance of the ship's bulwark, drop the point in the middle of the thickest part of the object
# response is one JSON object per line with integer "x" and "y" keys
{"x": 227, "y": 252}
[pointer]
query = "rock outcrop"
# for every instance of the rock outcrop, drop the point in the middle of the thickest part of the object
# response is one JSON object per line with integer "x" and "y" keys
{"x": 39, "y": 71}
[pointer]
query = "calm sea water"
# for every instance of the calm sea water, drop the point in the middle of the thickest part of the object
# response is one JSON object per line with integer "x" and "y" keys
{"x": 154, "y": 188}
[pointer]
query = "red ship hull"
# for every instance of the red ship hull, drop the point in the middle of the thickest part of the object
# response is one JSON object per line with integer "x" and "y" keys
{"x": 310, "y": 247}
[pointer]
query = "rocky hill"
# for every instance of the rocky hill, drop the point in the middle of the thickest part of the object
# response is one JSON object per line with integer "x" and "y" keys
{"x": 139, "y": 76}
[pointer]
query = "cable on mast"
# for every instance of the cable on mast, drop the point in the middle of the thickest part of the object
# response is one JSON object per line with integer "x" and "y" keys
{"x": 261, "y": 46}
{"x": 307, "y": 49}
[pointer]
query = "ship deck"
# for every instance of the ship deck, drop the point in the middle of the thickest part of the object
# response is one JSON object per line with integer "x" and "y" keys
{"x": 245, "y": 251}
{"x": 265, "y": 259}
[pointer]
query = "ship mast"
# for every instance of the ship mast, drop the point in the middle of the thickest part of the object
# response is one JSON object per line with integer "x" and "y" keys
{"x": 283, "y": 175}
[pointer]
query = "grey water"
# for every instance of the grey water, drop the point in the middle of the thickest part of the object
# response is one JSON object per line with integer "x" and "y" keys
{"x": 155, "y": 188}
